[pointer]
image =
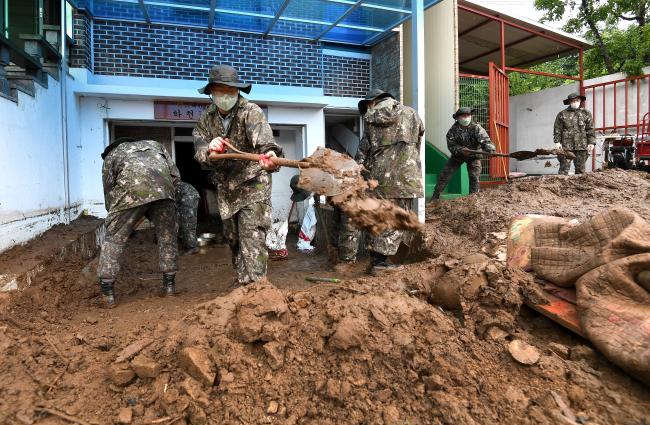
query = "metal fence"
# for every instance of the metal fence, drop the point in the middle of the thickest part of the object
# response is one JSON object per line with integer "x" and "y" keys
{"x": 474, "y": 92}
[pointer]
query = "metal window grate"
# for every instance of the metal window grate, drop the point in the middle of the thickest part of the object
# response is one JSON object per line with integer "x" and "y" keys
{"x": 474, "y": 92}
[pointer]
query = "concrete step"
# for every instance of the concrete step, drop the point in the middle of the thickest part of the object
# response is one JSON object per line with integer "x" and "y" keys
{"x": 21, "y": 83}
{"x": 19, "y": 265}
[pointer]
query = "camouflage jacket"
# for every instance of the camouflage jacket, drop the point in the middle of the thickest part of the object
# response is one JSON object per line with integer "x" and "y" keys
{"x": 186, "y": 195}
{"x": 574, "y": 129}
{"x": 239, "y": 183}
{"x": 390, "y": 149}
{"x": 138, "y": 173}
{"x": 472, "y": 137}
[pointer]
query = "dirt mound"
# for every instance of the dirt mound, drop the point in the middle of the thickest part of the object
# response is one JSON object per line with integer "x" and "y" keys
{"x": 461, "y": 225}
{"x": 431, "y": 344}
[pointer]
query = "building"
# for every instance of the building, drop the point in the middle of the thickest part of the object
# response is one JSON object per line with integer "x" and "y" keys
{"x": 76, "y": 75}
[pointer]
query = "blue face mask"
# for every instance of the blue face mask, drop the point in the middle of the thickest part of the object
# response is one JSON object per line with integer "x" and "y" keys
{"x": 465, "y": 121}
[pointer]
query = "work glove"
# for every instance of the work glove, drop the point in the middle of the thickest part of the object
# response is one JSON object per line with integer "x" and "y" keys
{"x": 489, "y": 147}
{"x": 558, "y": 146}
{"x": 266, "y": 163}
{"x": 217, "y": 145}
{"x": 590, "y": 148}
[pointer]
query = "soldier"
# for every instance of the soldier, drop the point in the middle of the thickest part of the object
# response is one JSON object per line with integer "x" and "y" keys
{"x": 139, "y": 180}
{"x": 187, "y": 203}
{"x": 574, "y": 131}
{"x": 464, "y": 134}
{"x": 390, "y": 151}
{"x": 243, "y": 187}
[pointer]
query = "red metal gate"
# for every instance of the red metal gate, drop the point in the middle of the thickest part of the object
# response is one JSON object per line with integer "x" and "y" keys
{"x": 499, "y": 125}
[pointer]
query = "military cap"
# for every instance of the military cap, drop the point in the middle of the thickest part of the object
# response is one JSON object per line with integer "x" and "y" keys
{"x": 573, "y": 96}
{"x": 226, "y": 75}
{"x": 372, "y": 95}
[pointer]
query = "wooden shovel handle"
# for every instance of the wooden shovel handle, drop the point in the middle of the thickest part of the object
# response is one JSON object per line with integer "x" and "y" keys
{"x": 282, "y": 162}
{"x": 486, "y": 153}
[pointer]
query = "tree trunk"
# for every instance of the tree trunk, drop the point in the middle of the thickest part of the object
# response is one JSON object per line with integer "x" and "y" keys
{"x": 586, "y": 11}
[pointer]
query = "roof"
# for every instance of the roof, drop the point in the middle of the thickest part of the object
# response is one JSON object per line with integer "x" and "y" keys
{"x": 479, "y": 39}
{"x": 355, "y": 22}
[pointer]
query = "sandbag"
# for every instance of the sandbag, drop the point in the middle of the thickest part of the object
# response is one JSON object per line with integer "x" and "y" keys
{"x": 614, "y": 312}
{"x": 563, "y": 253}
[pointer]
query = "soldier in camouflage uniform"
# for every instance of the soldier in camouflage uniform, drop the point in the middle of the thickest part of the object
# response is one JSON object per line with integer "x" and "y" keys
{"x": 187, "y": 203}
{"x": 390, "y": 151}
{"x": 243, "y": 187}
{"x": 464, "y": 134}
{"x": 139, "y": 180}
{"x": 574, "y": 131}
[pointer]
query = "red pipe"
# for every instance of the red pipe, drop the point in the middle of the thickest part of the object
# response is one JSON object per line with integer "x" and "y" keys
{"x": 502, "y": 30}
{"x": 482, "y": 77}
{"x": 545, "y": 74}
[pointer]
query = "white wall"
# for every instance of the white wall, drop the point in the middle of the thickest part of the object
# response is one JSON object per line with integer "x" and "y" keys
{"x": 441, "y": 46}
{"x": 291, "y": 141}
{"x": 531, "y": 126}
{"x": 532, "y": 116}
{"x": 32, "y": 192}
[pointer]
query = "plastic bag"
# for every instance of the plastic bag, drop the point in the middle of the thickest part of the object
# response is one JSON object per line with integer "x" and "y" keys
{"x": 307, "y": 230}
{"x": 276, "y": 239}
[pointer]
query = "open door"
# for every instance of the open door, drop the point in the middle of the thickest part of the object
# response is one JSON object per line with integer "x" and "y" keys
{"x": 499, "y": 89}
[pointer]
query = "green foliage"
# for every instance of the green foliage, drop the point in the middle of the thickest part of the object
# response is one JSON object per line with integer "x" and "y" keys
{"x": 528, "y": 83}
{"x": 618, "y": 48}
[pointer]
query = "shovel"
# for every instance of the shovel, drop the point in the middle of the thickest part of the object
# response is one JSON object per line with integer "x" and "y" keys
{"x": 523, "y": 155}
{"x": 326, "y": 172}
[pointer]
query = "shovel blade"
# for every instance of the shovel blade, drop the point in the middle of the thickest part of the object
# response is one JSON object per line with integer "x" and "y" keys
{"x": 330, "y": 173}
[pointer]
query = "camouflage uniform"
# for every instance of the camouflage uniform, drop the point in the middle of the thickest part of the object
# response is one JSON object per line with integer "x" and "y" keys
{"x": 460, "y": 137}
{"x": 243, "y": 187}
{"x": 187, "y": 203}
{"x": 139, "y": 180}
{"x": 344, "y": 236}
{"x": 574, "y": 130}
{"x": 390, "y": 151}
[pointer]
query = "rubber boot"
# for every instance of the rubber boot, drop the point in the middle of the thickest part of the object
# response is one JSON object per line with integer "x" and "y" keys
{"x": 169, "y": 284}
{"x": 108, "y": 293}
{"x": 380, "y": 263}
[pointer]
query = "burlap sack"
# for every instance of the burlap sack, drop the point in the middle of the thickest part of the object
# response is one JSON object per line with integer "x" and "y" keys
{"x": 614, "y": 312}
{"x": 563, "y": 253}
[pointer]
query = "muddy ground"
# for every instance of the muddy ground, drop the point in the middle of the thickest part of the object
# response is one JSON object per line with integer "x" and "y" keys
{"x": 368, "y": 350}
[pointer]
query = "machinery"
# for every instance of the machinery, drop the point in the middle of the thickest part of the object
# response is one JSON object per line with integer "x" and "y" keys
{"x": 627, "y": 151}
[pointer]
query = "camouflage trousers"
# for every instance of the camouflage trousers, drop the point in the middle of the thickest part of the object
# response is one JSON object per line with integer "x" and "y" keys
{"x": 246, "y": 235}
{"x": 345, "y": 236}
{"x": 579, "y": 163}
{"x": 386, "y": 243}
{"x": 453, "y": 164}
{"x": 119, "y": 226}
{"x": 187, "y": 207}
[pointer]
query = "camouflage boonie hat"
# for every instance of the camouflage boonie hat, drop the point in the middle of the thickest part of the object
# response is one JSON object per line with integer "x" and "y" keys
{"x": 298, "y": 194}
{"x": 572, "y": 96}
{"x": 226, "y": 75}
{"x": 465, "y": 110}
{"x": 372, "y": 95}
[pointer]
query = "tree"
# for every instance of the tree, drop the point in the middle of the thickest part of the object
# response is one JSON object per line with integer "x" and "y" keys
{"x": 618, "y": 49}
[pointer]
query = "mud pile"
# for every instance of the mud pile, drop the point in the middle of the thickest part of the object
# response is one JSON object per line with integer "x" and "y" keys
{"x": 462, "y": 225}
{"x": 445, "y": 340}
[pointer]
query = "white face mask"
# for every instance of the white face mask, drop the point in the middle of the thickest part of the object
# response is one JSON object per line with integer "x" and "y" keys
{"x": 575, "y": 105}
{"x": 465, "y": 121}
{"x": 225, "y": 102}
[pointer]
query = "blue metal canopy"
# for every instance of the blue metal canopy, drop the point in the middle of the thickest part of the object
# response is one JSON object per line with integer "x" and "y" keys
{"x": 356, "y": 22}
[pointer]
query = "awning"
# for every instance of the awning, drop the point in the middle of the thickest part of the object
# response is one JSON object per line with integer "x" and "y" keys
{"x": 526, "y": 42}
{"x": 355, "y": 22}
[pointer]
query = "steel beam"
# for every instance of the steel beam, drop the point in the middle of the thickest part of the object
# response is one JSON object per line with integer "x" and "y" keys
{"x": 341, "y": 18}
{"x": 278, "y": 14}
{"x": 145, "y": 12}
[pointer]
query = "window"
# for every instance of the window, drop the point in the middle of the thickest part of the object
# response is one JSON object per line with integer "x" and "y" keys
{"x": 68, "y": 20}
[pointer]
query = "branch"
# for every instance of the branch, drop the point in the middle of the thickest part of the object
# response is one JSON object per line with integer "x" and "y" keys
{"x": 628, "y": 18}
